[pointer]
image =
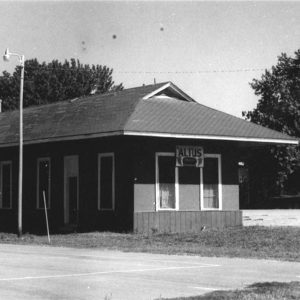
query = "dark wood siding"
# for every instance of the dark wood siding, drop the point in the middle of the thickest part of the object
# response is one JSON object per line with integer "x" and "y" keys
{"x": 90, "y": 217}
{"x": 134, "y": 185}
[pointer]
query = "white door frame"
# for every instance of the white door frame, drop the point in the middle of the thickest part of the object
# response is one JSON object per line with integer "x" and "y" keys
{"x": 71, "y": 168}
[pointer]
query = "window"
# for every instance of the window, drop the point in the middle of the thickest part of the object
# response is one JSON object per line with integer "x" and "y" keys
{"x": 43, "y": 182}
{"x": 106, "y": 181}
{"x": 5, "y": 184}
{"x": 166, "y": 182}
{"x": 202, "y": 185}
{"x": 211, "y": 175}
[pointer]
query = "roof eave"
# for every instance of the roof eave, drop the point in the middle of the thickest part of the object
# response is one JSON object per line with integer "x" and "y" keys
{"x": 154, "y": 134}
{"x": 213, "y": 137}
{"x": 64, "y": 138}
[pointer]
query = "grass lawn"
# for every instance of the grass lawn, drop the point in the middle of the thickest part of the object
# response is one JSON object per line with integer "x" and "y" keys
{"x": 282, "y": 243}
{"x": 261, "y": 291}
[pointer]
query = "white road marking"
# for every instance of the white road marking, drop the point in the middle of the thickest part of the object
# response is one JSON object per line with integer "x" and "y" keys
{"x": 211, "y": 289}
{"x": 86, "y": 256}
{"x": 154, "y": 260}
{"x": 204, "y": 288}
{"x": 100, "y": 273}
{"x": 82, "y": 256}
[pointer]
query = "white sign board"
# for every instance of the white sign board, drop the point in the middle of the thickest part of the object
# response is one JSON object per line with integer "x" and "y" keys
{"x": 189, "y": 156}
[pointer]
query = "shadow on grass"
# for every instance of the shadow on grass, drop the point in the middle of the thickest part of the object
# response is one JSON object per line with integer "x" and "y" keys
{"x": 256, "y": 291}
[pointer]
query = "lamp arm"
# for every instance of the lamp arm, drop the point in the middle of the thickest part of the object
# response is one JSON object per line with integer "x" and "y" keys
{"x": 20, "y": 57}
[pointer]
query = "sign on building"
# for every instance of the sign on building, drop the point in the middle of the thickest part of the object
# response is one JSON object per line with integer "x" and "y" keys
{"x": 189, "y": 156}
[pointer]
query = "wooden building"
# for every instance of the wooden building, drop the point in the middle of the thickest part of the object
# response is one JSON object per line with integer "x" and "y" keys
{"x": 144, "y": 159}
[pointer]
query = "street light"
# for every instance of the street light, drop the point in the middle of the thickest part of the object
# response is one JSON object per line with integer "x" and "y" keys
{"x": 21, "y": 58}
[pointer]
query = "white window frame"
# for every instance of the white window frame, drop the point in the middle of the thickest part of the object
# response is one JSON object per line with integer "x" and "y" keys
{"x": 40, "y": 159}
{"x": 158, "y": 208}
{"x": 100, "y": 156}
{"x": 219, "y": 157}
{"x": 7, "y": 162}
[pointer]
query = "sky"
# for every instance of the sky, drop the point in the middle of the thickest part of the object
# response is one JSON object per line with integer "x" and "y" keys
{"x": 210, "y": 50}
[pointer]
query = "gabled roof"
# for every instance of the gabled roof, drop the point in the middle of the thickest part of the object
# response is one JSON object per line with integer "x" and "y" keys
{"x": 154, "y": 110}
{"x": 171, "y": 90}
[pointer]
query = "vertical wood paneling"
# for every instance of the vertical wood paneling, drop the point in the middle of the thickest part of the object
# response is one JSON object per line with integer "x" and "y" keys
{"x": 228, "y": 218}
{"x": 141, "y": 222}
{"x": 204, "y": 217}
{"x": 232, "y": 218}
{"x": 139, "y": 227}
{"x": 187, "y": 221}
{"x": 237, "y": 218}
{"x": 137, "y": 222}
{"x": 146, "y": 224}
{"x": 197, "y": 228}
{"x": 191, "y": 221}
{"x": 160, "y": 221}
{"x": 156, "y": 221}
{"x": 165, "y": 220}
{"x": 223, "y": 218}
{"x": 173, "y": 221}
{"x": 214, "y": 219}
{"x": 194, "y": 224}
{"x": 135, "y": 226}
{"x": 170, "y": 221}
{"x": 200, "y": 220}
{"x": 151, "y": 223}
{"x": 178, "y": 227}
{"x": 240, "y": 213}
{"x": 217, "y": 220}
{"x": 209, "y": 218}
{"x": 184, "y": 221}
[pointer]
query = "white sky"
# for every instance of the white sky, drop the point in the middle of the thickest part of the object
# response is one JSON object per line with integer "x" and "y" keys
{"x": 160, "y": 40}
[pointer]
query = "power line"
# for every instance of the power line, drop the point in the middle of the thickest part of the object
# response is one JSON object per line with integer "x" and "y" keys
{"x": 193, "y": 72}
{"x": 149, "y": 72}
{"x": 111, "y": 70}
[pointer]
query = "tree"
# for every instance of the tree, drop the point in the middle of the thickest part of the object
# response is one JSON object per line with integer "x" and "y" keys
{"x": 55, "y": 81}
{"x": 279, "y": 108}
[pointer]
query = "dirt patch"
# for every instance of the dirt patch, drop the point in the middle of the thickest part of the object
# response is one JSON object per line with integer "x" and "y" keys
{"x": 272, "y": 217}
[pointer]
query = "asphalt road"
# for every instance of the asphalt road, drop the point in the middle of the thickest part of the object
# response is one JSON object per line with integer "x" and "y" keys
{"x": 36, "y": 272}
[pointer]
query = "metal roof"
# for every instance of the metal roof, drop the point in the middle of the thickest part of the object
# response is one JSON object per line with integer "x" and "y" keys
{"x": 154, "y": 110}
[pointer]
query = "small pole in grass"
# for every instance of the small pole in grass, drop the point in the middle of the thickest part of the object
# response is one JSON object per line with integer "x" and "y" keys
{"x": 46, "y": 216}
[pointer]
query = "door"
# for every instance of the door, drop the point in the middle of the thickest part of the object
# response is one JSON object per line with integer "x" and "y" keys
{"x": 71, "y": 189}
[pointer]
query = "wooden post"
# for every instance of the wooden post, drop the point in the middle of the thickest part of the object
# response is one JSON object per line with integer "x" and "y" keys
{"x": 46, "y": 217}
